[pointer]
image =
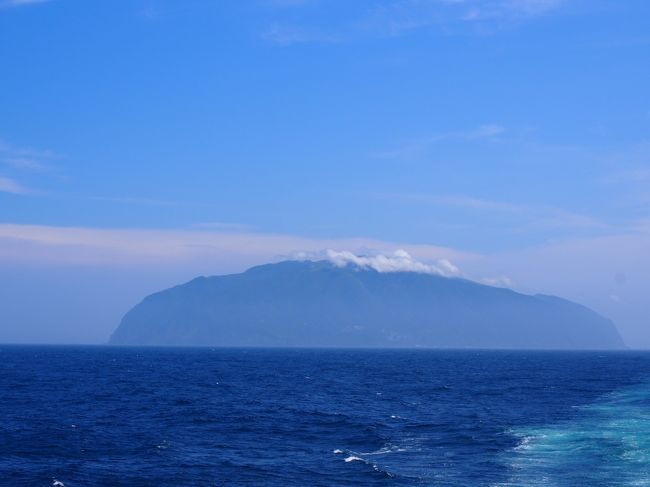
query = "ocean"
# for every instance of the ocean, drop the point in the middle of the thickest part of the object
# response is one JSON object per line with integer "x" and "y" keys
{"x": 110, "y": 416}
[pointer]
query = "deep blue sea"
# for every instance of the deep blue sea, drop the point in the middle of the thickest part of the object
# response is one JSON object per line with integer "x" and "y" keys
{"x": 104, "y": 416}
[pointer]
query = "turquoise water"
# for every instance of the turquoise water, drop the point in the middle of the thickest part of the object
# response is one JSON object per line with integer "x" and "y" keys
{"x": 606, "y": 443}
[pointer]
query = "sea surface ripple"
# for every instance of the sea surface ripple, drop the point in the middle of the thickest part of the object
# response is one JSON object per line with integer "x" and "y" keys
{"x": 85, "y": 416}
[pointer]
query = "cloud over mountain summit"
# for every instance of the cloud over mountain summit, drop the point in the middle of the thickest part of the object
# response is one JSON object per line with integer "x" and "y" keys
{"x": 398, "y": 261}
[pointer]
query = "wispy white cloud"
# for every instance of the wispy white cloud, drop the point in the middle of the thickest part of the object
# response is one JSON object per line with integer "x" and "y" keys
{"x": 8, "y": 185}
{"x": 399, "y": 261}
{"x": 409, "y": 14}
{"x": 392, "y": 18}
{"x": 129, "y": 200}
{"x": 143, "y": 248}
{"x": 501, "y": 281}
{"x": 26, "y": 157}
{"x": 525, "y": 217}
{"x": 146, "y": 201}
{"x": 507, "y": 9}
{"x": 422, "y": 144}
{"x": 25, "y": 163}
{"x": 543, "y": 218}
{"x": 460, "y": 201}
{"x": 222, "y": 226}
{"x": 17, "y": 160}
{"x": 531, "y": 7}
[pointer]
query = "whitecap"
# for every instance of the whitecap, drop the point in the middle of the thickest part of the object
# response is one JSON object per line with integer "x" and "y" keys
{"x": 352, "y": 458}
{"x": 524, "y": 443}
{"x": 606, "y": 443}
{"x": 384, "y": 450}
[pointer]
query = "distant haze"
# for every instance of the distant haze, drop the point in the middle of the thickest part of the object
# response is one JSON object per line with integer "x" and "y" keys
{"x": 82, "y": 303}
{"x": 359, "y": 302}
{"x": 145, "y": 143}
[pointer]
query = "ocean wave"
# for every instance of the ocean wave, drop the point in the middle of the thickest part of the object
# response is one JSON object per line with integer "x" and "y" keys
{"x": 385, "y": 450}
{"x": 352, "y": 458}
{"x": 376, "y": 467}
{"x": 607, "y": 443}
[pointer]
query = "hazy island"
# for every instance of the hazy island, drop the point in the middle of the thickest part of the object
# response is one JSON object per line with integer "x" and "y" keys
{"x": 319, "y": 304}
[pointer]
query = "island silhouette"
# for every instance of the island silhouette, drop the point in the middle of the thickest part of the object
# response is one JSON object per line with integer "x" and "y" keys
{"x": 321, "y": 304}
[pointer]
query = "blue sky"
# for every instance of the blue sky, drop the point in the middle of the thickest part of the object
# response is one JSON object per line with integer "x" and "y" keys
{"x": 147, "y": 141}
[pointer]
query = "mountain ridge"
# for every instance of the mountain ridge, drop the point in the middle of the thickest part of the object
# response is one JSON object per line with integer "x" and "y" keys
{"x": 320, "y": 304}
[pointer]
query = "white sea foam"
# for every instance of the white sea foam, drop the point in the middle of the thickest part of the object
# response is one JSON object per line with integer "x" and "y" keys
{"x": 352, "y": 458}
{"x": 524, "y": 443}
{"x": 338, "y": 452}
{"x": 384, "y": 451}
{"x": 57, "y": 483}
{"x": 607, "y": 443}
